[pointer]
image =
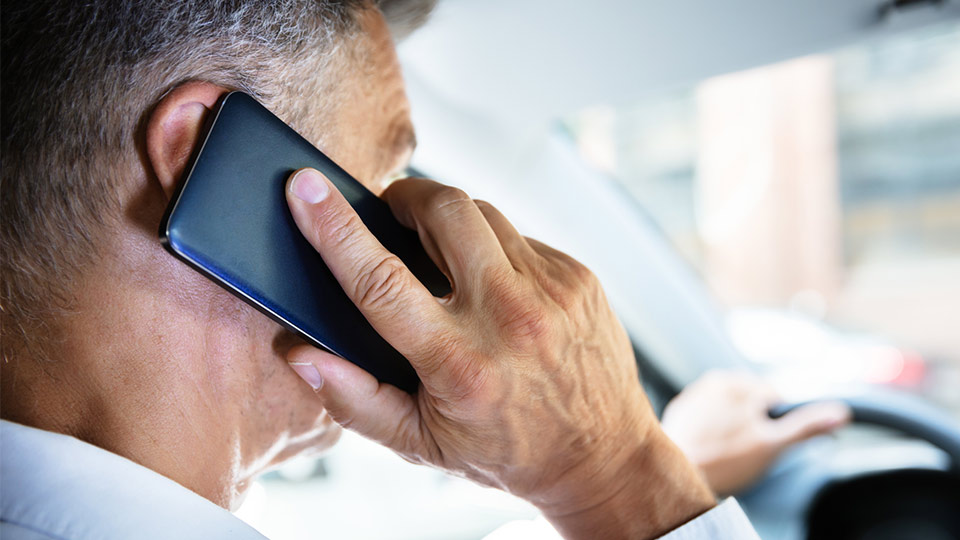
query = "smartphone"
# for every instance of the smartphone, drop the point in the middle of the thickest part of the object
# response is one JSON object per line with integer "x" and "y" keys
{"x": 229, "y": 220}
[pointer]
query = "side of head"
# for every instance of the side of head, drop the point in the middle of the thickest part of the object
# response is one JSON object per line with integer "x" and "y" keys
{"x": 104, "y": 335}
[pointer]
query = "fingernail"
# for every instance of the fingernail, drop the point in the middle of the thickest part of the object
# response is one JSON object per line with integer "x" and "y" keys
{"x": 308, "y": 373}
{"x": 309, "y": 186}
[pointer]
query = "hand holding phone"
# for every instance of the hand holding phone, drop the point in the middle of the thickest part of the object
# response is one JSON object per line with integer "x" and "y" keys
{"x": 528, "y": 381}
{"x": 229, "y": 220}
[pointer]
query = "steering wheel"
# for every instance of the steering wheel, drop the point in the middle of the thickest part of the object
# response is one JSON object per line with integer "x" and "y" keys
{"x": 895, "y": 504}
{"x": 902, "y": 412}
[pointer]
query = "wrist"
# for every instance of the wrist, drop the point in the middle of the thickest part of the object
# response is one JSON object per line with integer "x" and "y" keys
{"x": 642, "y": 491}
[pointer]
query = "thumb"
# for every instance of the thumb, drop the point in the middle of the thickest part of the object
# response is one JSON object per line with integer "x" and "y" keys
{"x": 810, "y": 420}
{"x": 357, "y": 401}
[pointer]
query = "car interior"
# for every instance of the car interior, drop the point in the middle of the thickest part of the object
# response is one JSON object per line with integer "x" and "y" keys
{"x": 655, "y": 142}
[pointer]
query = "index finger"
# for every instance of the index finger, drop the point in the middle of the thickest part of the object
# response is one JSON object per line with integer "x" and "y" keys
{"x": 391, "y": 298}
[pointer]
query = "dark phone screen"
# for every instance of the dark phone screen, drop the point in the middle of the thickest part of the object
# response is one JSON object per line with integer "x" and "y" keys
{"x": 230, "y": 221}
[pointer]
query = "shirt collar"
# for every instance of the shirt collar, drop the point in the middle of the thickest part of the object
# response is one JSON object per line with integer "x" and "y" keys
{"x": 66, "y": 488}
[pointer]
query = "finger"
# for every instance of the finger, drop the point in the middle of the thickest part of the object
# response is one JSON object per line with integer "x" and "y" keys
{"x": 466, "y": 242}
{"x": 558, "y": 266}
{"x": 514, "y": 245}
{"x": 384, "y": 290}
{"x": 769, "y": 393}
{"x": 433, "y": 251}
{"x": 563, "y": 266}
{"x": 808, "y": 421}
{"x": 357, "y": 401}
{"x": 544, "y": 250}
{"x": 429, "y": 244}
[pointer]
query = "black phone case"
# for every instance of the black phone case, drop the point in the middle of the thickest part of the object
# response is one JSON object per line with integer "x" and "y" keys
{"x": 230, "y": 221}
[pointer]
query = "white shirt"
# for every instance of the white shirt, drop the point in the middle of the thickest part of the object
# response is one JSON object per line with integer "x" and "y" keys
{"x": 53, "y": 486}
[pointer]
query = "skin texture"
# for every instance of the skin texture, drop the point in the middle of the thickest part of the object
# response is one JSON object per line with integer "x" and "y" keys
{"x": 529, "y": 381}
{"x": 720, "y": 422}
{"x": 156, "y": 363}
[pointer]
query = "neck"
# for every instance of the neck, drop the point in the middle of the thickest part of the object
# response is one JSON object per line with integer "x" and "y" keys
{"x": 159, "y": 365}
{"x": 115, "y": 394}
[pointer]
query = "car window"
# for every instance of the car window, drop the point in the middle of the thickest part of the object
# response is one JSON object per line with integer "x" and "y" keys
{"x": 820, "y": 200}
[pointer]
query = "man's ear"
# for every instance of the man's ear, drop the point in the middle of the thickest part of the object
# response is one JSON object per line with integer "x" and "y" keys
{"x": 173, "y": 129}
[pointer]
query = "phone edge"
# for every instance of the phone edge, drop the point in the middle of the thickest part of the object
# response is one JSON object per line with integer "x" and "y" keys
{"x": 168, "y": 245}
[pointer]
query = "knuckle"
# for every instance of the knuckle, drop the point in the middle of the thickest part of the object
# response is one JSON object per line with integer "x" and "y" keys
{"x": 528, "y": 323}
{"x": 342, "y": 418}
{"x": 340, "y": 230}
{"x": 446, "y": 199}
{"x": 486, "y": 208}
{"x": 380, "y": 285}
{"x": 584, "y": 287}
{"x": 570, "y": 284}
{"x": 521, "y": 315}
{"x": 582, "y": 275}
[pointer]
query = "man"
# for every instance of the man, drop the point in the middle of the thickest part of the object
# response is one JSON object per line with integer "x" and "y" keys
{"x": 152, "y": 395}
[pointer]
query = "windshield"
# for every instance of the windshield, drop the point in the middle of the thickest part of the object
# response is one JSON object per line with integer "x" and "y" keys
{"x": 820, "y": 200}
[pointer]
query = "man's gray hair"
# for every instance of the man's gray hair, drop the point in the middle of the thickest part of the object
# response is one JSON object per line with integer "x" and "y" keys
{"x": 405, "y": 16}
{"x": 78, "y": 80}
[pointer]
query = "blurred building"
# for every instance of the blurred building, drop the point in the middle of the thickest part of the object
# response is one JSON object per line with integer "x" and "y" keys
{"x": 828, "y": 184}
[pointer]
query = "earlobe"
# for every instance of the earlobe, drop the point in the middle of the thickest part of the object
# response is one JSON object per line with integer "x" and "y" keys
{"x": 173, "y": 130}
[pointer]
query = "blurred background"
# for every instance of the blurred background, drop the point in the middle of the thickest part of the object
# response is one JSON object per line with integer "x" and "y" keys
{"x": 801, "y": 219}
{"x": 820, "y": 200}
